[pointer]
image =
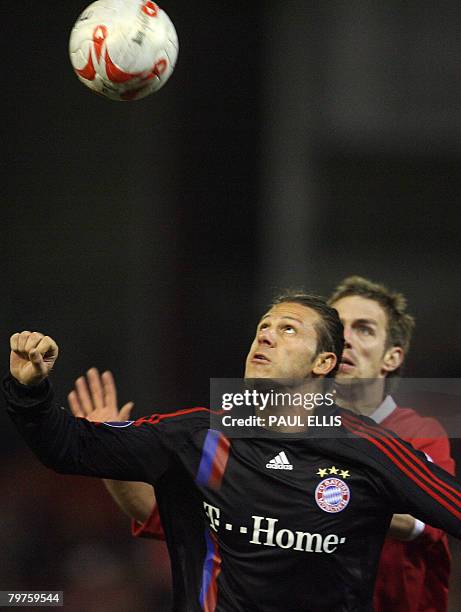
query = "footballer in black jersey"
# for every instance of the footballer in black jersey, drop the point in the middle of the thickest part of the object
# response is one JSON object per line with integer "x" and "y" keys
{"x": 243, "y": 536}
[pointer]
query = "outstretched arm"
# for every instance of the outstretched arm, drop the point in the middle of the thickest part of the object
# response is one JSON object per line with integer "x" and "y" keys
{"x": 134, "y": 451}
{"x": 95, "y": 399}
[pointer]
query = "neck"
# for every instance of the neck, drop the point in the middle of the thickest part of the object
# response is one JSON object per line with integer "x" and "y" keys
{"x": 362, "y": 396}
{"x": 294, "y": 403}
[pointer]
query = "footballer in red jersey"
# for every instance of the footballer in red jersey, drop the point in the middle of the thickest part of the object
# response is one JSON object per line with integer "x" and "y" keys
{"x": 414, "y": 568}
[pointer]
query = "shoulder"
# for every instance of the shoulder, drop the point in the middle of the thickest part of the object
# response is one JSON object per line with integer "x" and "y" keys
{"x": 379, "y": 449}
{"x": 363, "y": 432}
{"x": 425, "y": 434}
{"x": 408, "y": 423}
{"x": 373, "y": 439}
{"x": 386, "y": 444}
{"x": 176, "y": 424}
{"x": 358, "y": 424}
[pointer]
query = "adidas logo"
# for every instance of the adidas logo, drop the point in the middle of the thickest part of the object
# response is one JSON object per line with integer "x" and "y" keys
{"x": 279, "y": 462}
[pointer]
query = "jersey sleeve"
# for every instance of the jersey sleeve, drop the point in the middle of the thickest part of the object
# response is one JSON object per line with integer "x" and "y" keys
{"x": 433, "y": 441}
{"x": 411, "y": 484}
{"x": 134, "y": 450}
{"x": 151, "y": 528}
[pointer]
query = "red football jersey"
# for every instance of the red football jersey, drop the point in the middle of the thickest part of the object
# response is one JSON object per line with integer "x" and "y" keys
{"x": 413, "y": 576}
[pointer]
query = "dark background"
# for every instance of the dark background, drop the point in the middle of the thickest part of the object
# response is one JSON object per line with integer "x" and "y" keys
{"x": 296, "y": 143}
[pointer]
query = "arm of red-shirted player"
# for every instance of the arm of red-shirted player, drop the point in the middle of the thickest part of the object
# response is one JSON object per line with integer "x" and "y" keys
{"x": 412, "y": 484}
{"x": 135, "y": 499}
{"x": 405, "y": 527}
{"x": 150, "y": 528}
{"x": 95, "y": 399}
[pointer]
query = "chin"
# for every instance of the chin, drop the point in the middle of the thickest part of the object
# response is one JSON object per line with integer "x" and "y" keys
{"x": 348, "y": 373}
{"x": 257, "y": 374}
{"x": 344, "y": 376}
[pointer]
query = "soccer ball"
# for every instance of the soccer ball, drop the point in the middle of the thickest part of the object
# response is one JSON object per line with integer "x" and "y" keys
{"x": 123, "y": 49}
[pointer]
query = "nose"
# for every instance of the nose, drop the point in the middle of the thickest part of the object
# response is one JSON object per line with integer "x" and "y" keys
{"x": 347, "y": 337}
{"x": 266, "y": 337}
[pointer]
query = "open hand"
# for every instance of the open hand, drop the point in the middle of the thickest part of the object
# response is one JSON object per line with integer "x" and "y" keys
{"x": 95, "y": 398}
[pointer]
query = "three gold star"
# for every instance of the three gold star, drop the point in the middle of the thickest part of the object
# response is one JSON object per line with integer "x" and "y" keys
{"x": 322, "y": 472}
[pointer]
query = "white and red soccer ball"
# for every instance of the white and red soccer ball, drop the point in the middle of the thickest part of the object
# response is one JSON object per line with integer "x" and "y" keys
{"x": 123, "y": 49}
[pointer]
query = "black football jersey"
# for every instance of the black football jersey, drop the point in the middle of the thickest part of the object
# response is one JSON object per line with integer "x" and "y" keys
{"x": 269, "y": 524}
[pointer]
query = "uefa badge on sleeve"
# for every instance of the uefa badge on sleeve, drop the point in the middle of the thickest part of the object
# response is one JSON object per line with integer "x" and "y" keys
{"x": 118, "y": 423}
{"x": 332, "y": 495}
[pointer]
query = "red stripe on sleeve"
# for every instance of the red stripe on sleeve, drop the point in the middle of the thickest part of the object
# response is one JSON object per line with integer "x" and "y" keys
{"x": 398, "y": 443}
{"x": 360, "y": 429}
{"x": 154, "y": 419}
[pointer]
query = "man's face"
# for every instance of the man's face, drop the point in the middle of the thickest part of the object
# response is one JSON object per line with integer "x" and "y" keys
{"x": 365, "y": 331}
{"x": 285, "y": 344}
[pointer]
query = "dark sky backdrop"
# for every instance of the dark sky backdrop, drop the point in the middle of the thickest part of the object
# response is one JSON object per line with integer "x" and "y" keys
{"x": 146, "y": 237}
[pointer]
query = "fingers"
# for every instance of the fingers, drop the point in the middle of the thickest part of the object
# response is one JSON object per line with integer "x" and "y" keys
{"x": 84, "y": 398}
{"x": 95, "y": 398}
{"x": 110, "y": 397}
{"x": 18, "y": 341}
{"x": 46, "y": 346}
{"x": 124, "y": 414}
{"x": 96, "y": 388}
{"x": 74, "y": 404}
{"x": 37, "y": 361}
{"x": 87, "y": 395}
{"x": 110, "y": 390}
{"x": 30, "y": 341}
{"x": 26, "y": 342}
{"x": 32, "y": 356}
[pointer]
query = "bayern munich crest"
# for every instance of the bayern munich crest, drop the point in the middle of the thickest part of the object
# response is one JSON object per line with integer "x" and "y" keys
{"x": 332, "y": 495}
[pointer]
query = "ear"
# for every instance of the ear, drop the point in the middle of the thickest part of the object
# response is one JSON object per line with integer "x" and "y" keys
{"x": 392, "y": 359}
{"x": 324, "y": 363}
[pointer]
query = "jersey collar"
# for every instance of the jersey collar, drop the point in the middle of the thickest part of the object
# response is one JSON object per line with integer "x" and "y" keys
{"x": 386, "y": 407}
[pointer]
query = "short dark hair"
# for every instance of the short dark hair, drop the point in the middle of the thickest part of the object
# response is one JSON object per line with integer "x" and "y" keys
{"x": 400, "y": 324}
{"x": 330, "y": 331}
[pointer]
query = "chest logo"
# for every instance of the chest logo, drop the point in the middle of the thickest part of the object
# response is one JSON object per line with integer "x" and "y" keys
{"x": 279, "y": 462}
{"x": 332, "y": 495}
